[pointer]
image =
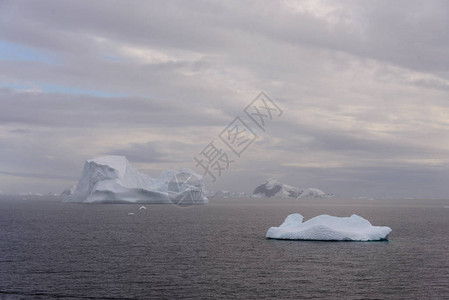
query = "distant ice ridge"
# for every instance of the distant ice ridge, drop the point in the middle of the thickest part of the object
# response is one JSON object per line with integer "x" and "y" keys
{"x": 273, "y": 188}
{"x": 69, "y": 191}
{"x": 328, "y": 228}
{"x": 31, "y": 194}
{"x": 112, "y": 179}
{"x": 226, "y": 194}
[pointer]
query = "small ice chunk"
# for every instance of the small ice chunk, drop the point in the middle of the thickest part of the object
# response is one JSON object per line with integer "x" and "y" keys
{"x": 142, "y": 207}
{"x": 328, "y": 228}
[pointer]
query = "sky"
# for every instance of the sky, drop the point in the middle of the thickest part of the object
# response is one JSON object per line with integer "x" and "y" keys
{"x": 363, "y": 87}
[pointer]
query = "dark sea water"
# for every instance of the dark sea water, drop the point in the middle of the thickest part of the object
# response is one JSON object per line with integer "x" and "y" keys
{"x": 54, "y": 250}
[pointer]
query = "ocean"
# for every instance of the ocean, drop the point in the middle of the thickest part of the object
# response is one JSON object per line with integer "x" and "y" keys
{"x": 55, "y": 250}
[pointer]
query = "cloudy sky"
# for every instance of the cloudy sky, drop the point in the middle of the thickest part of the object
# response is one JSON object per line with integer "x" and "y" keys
{"x": 363, "y": 85}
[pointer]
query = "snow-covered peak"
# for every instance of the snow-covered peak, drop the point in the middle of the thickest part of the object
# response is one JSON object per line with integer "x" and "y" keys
{"x": 314, "y": 192}
{"x": 271, "y": 183}
{"x": 118, "y": 163}
{"x": 273, "y": 188}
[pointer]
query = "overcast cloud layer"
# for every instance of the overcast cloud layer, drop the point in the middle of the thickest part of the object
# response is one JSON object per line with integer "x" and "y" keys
{"x": 364, "y": 86}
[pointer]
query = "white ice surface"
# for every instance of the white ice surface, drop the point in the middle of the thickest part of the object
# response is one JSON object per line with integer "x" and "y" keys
{"x": 273, "y": 188}
{"x": 112, "y": 179}
{"x": 328, "y": 228}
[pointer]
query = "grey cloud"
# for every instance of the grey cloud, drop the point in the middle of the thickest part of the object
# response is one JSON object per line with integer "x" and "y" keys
{"x": 406, "y": 33}
{"x": 37, "y": 175}
{"x": 371, "y": 148}
{"x": 84, "y": 111}
{"x": 387, "y": 58}
{"x": 141, "y": 153}
{"x": 382, "y": 181}
{"x": 20, "y": 131}
{"x": 358, "y": 147}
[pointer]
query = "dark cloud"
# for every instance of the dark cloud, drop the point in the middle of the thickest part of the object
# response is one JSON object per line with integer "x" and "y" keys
{"x": 20, "y": 131}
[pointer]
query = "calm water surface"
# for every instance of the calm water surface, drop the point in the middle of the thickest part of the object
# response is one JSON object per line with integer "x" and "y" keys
{"x": 54, "y": 250}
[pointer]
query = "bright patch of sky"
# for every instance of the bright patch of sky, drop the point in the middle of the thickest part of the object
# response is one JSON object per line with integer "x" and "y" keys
{"x": 16, "y": 52}
{"x": 54, "y": 88}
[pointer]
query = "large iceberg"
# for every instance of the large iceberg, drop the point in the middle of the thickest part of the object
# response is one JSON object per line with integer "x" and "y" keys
{"x": 273, "y": 188}
{"x": 112, "y": 179}
{"x": 328, "y": 228}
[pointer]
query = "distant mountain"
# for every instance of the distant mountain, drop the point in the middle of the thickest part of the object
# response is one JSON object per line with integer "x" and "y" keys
{"x": 273, "y": 188}
{"x": 227, "y": 194}
{"x": 31, "y": 194}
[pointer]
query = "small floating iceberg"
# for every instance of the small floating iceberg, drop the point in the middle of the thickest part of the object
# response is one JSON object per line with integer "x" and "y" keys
{"x": 328, "y": 228}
